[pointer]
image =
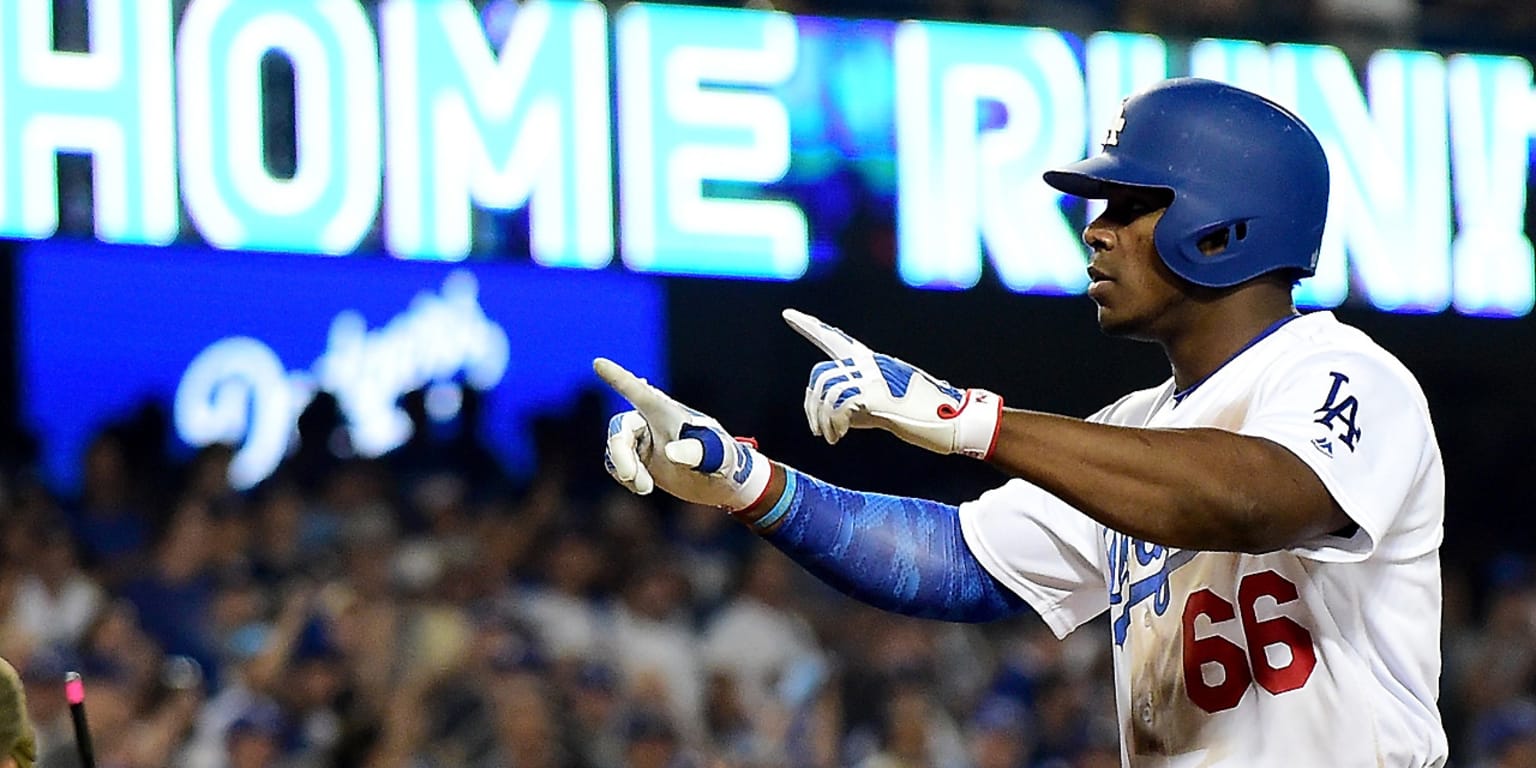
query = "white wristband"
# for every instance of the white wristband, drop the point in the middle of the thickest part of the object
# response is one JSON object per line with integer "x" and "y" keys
{"x": 759, "y": 472}
{"x": 977, "y": 423}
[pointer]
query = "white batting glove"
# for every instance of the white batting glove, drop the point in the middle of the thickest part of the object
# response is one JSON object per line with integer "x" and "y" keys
{"x": 665, "y": 444}
{"x": 859, "y": 388}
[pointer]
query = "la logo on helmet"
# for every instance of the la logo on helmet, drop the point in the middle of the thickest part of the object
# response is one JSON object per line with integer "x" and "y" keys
{"x": 1113, "y": 137}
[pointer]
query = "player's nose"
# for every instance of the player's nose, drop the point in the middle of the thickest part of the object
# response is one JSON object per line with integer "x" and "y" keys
{"x": 1098, "y": 237}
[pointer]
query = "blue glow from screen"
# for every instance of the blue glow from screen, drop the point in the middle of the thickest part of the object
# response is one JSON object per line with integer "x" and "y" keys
{"x": 234, "y": 345}
{"x": 728, "y": 142}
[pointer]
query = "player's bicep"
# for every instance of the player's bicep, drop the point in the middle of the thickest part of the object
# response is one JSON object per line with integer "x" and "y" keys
{"x": 1041, "y": 549}
{"x": 1309, "y": 508}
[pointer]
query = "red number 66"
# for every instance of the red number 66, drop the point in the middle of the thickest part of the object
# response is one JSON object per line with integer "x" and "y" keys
{"x": 1242, "y": 668}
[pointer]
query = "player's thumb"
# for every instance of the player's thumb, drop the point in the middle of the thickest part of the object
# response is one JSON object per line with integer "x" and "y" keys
{"x": 684, "y": 453}
{"x": 698, "y": 448}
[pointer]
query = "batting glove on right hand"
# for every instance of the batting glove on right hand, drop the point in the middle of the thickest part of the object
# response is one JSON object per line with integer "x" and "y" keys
{"x": 860, "y": 388}
{"x": 665, "y": 444}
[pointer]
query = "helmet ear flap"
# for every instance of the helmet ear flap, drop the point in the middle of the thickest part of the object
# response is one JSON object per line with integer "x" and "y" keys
{"x": 1194, "y": 236}
{"x": 1217, "y": 240}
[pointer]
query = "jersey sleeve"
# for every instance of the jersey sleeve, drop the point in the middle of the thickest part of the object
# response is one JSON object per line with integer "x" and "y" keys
{"x": 1042, "y": 549}
{"x": 1360, "y": 423}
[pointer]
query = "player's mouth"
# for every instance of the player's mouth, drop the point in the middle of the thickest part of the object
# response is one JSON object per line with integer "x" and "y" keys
{"x": 1098, "y": 282}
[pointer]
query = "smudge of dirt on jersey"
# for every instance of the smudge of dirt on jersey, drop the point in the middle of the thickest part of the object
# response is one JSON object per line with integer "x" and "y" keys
{"x": 1163, "y": 719}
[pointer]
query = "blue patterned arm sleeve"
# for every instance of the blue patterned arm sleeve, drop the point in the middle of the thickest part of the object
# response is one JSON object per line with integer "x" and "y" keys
{"x": 900, "y": 554}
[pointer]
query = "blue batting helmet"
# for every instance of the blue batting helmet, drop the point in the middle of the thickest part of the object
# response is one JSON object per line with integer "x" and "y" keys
{"x": 1234, "y": 161}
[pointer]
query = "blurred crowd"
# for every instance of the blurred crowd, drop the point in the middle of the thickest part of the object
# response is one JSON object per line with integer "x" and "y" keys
{"x": 426, "y": 609}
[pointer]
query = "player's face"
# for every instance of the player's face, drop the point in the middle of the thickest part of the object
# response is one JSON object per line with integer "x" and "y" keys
{"x": 1135, "y": 291}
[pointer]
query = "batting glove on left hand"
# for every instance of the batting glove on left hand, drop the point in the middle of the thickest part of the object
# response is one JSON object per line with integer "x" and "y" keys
{"x": 665, "y": 444}
{"x": 861, "y": 388}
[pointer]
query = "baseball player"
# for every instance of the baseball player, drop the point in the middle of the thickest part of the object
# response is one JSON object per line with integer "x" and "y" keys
{"x": 1263, "y": 528}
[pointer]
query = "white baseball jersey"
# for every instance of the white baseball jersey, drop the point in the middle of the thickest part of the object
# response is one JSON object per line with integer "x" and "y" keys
{"x": 1325, "y": 654}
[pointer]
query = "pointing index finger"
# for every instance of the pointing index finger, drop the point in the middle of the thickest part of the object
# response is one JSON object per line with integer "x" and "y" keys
{"x": 831, "y": 340}
{"x": 640, "y": 394}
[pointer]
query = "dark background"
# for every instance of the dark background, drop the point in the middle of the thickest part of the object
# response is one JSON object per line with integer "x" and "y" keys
{"x": 733, "y": 357}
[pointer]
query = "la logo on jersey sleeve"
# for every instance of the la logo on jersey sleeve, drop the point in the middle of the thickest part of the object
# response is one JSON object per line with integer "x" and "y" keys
{"x": 1339, "y": 416}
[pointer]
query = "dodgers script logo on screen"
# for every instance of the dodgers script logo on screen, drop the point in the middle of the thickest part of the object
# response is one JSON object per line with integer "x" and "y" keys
{"x": 238, "y": 391}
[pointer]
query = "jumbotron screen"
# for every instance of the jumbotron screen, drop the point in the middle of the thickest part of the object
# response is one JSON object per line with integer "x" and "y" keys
{"x": 724, "y": 142}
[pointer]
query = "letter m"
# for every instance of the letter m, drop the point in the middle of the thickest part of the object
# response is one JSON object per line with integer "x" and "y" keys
{"x": 526, "y": 126}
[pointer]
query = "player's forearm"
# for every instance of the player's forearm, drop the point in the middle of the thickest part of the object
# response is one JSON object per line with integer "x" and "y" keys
{"x": 900, "y": 554}
{"x": 1189, "y": 488}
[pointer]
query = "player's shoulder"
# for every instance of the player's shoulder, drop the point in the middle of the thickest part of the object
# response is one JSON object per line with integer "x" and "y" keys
{"x": 1319, "y": 337}
{"x": 1324, "y": 361}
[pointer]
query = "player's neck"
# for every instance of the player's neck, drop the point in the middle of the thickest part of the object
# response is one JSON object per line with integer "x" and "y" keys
{"x": 1220, "y": 329}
